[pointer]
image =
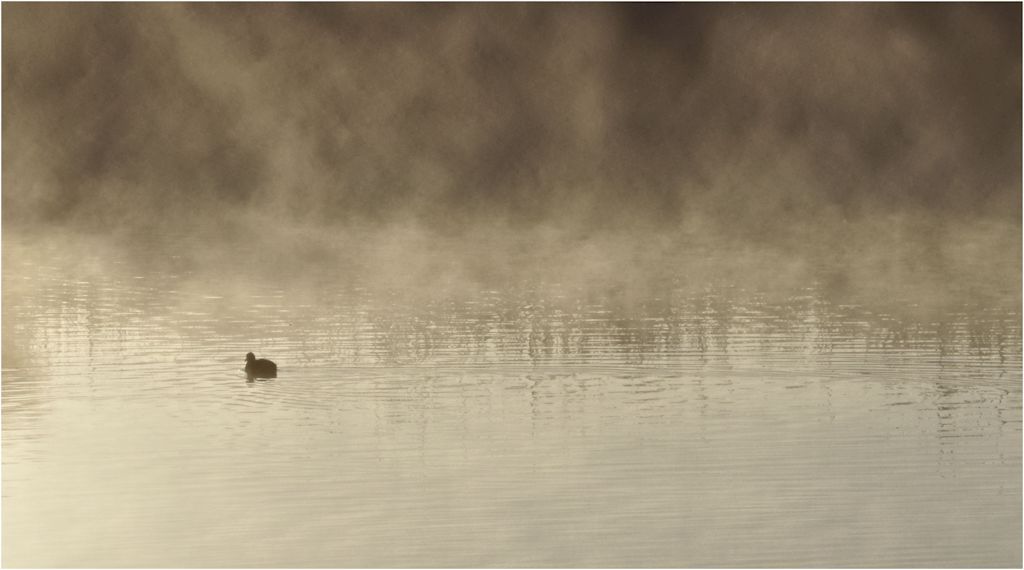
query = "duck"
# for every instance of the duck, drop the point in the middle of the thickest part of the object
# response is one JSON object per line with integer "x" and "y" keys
{"x": 259, "y": 367}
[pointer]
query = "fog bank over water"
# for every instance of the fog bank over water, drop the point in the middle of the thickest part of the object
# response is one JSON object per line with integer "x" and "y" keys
{"x": 885, "y": 139}
{"x": 545, "y": 285}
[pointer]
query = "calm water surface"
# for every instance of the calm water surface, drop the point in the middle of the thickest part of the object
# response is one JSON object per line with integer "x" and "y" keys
{"x": 518, "y": 425}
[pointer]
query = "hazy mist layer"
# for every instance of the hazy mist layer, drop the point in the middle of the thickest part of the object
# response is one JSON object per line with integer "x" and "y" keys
{"x": 756, "y": 119}
{"x": 857, "y": 148}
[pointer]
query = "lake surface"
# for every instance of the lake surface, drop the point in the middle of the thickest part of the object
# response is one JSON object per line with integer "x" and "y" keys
{"x": 517, "y": 424}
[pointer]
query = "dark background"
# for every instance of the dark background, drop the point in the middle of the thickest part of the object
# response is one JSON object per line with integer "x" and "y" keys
{"x": 743, "y": 113}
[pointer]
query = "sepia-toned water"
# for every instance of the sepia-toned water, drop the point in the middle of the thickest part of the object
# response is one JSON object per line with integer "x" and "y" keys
{"x": 519, "y": 424}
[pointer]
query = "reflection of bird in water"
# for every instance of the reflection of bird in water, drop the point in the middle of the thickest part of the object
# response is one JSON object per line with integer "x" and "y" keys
{"x": 259, "y": 367}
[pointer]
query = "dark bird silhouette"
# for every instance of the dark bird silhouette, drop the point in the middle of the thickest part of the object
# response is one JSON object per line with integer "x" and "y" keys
{"x": 259, "y": 367}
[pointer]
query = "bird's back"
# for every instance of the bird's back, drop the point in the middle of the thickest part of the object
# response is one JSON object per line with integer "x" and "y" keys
{"x": 261, "y": 368}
